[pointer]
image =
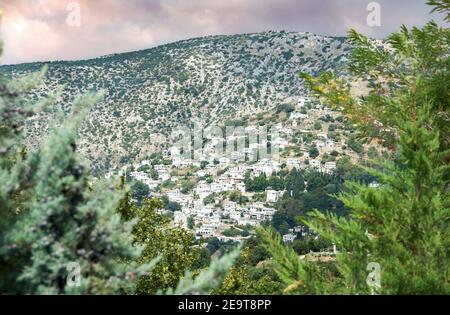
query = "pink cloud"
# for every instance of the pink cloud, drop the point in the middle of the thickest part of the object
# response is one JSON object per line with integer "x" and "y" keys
{"x": 36, "y": 30}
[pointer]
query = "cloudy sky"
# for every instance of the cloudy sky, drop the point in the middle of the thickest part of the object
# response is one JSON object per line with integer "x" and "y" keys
{"x": 41, "y": 30}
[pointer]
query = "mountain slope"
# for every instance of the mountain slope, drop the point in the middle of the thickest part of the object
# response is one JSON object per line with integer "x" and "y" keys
{"x": 206, "y": 79}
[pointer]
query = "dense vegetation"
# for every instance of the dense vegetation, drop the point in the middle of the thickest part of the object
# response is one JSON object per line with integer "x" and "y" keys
{"x": 149, "y": 92}
{"x": 396, "y": 238}
{"x": 62, "y": 231}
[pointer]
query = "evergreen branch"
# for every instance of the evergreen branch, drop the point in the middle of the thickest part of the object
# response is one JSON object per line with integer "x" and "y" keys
{"x": 208, "y": 279}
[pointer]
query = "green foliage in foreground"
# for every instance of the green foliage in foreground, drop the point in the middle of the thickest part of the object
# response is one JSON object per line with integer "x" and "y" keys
{"x": 54, "y": 215}
{"x": 396, "y": 239}
{"x": 59, "y": 220}
{"x": 172, "y": 246}
{"x": 208, "y": 279}
{"x": 60, "y": 230}
{"x": 401, "y": 225}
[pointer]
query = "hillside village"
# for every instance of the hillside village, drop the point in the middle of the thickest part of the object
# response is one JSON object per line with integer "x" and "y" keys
{"x": 247, "y": 81}
{"x": 255, "y": 165}
{"x": 210, "y": 193}
{"x": 210, "y": 79}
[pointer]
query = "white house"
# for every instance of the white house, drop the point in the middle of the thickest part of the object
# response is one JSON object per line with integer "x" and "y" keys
{"x": 201, "y": 173}
{"x": 289, "y": 238}
{"x": 217, "y": 187}
{"x": 203, "y": 190}
{"x": 293, "y": 163}
{"x": 303, "y": 116}
{"x": 139, "y": 175}
{"x": 160, "y": 168}
{"x": 320, "y": 144}
{"x": 223, "y": 179}
{"x": 301, "y": 103}
{"x": 237, "y": 155}
{"x": 315, "y": 163}
{"x": 165, "y": 153}
{"x": 206, "y": 231}
{"x": 297, "y": 229}
{"x": 330, "y": 166}
{"x": 177, "y": 161}
{"x": 211, "y": 169}
{"x": 330, "y": 143}
{"x": 205, "y": 211}
{"x": 235, "y": 215}
{"x": 237, "y": 172}
{"x": 180, "y": 218}
{"x": 214, "y": 220}
{"x": 229, "y": 206}
{"x": 266, "y": 169}
{"x": 224, "y": 161}
{"x": 152, "y": 184}
{"x": 164, "y": 175}
{"x": 174, "y": 151}
{"x": 285, "y": 130}
{"x": 258, "y": 212}
{"x": 280, "y": 143}
{"x": 273, "y": 195}
{"x": 174, "y": 195}
{"x": 240, "y": 187}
